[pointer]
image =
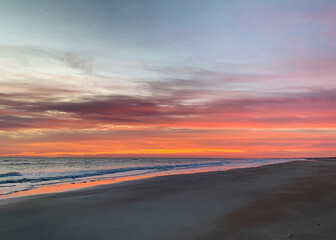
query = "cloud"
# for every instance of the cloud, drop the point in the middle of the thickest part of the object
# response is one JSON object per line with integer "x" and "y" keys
{"x": 77, "y": 61}
{"x": 300, "y": 109}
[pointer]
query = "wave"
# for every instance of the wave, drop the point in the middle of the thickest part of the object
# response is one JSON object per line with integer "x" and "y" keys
{"x": 10, "y": 174}
{"x": 93, "y": 173}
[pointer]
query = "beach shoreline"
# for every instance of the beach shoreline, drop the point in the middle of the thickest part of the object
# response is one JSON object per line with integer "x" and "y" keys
{"x": 42, "y": 186}
{"x": 294, "y": 199}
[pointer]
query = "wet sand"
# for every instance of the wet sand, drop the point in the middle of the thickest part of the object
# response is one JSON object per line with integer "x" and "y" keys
{"x": 295, "y": 200}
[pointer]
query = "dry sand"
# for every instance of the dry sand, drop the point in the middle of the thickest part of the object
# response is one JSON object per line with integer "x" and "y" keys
{"x": 294, "y": 200}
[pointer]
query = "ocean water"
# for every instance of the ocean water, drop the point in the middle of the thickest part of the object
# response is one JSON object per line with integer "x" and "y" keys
{"x": 25, "y": 174}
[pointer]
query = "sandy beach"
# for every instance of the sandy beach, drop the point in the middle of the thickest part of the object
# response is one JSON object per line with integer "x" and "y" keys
{"x": 295, "y": 200}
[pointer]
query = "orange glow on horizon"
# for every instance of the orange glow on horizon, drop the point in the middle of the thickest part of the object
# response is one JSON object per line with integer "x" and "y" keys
{"x": 275, "y": 142}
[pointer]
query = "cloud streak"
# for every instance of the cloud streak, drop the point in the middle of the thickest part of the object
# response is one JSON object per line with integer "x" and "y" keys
{"x": 174, "y": 110}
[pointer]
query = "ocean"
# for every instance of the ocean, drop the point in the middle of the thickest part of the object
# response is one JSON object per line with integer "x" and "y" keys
{"x": 22, "y": 174}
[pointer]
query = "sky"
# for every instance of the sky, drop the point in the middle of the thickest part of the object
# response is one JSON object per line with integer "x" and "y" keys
{"x": 252, "y": 78}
